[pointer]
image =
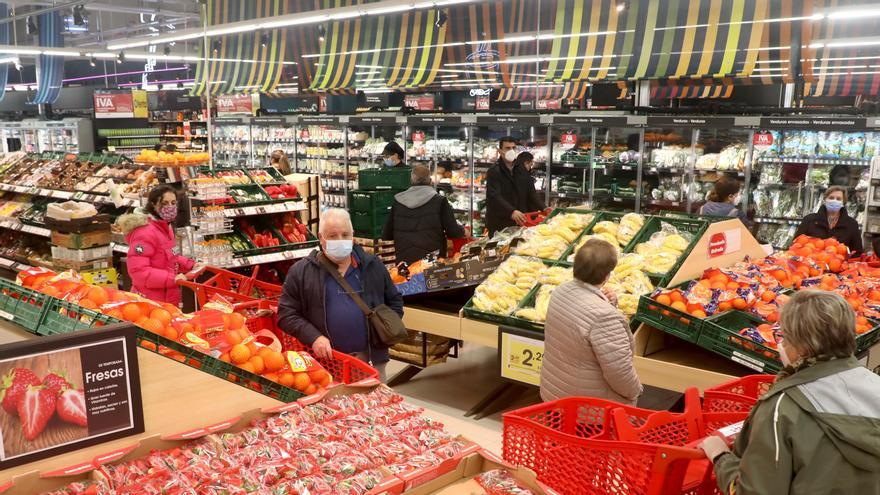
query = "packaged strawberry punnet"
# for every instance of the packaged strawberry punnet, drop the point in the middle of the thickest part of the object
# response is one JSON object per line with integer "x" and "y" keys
{"x": 500, "y": 482}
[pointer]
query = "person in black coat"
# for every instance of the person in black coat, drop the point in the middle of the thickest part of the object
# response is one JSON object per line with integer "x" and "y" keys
{"x": 421, "y": 220}
{"x": 832, "y": 220}
{"x": 510, "y": 190}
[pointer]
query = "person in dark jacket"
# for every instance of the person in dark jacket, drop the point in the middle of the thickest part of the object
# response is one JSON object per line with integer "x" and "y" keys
{"x": 724, "y": 200}
{"x": 421, "y": 220}
{"x": 832, "y": 220}
{"x": 510, "y": 190}
{"x": 392, "y": 155}
{"x": 318, "y": 312}
{"x": 817, "y": 430}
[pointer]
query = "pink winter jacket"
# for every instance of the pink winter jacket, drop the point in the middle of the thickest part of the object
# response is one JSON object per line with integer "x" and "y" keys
{"x": 152, "y": 261}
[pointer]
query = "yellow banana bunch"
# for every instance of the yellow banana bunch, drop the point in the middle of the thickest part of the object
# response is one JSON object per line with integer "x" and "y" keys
{"x": 542, "y": 303}
{"x": 629, "y": 281}
{"x": 605, "y": 236}
{"x": 675, "y": 242}
{"x": 628, "y": 304}
{"x": 606, "y": 226}
{"x": 663, "y": 250}
{"x": 555, "y": 275}
{"x": 502, "y": 291}
{"x": 630, "y": 225}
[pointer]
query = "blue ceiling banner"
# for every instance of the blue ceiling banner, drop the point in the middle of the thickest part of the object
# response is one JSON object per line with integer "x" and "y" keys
{"x": 50, "y": 68}
{"x": 4, "y": 40}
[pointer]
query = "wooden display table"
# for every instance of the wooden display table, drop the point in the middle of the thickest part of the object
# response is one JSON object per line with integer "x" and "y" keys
{"x": 175, "y": 397}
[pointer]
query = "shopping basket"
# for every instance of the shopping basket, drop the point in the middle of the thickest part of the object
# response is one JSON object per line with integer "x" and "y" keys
{"x": 232, "y": 286}
{"x": 736, "y": 395}
{"x": 582, "y": 445}
{"x": 262, "y": 314}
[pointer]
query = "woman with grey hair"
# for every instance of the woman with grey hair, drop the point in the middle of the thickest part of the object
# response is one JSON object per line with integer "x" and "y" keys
{"x": 420, "y": 220}
{"x": 817, "y": 430}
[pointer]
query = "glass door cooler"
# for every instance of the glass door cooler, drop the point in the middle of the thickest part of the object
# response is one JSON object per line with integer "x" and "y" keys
{"x": 322, "y": 144}
{"x": 270, "y": 134}
{"x": 231, "y": 140}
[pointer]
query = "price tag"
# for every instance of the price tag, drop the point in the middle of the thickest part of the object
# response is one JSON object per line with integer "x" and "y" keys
{"x": 261, "y": 210}
{"x": 79, "y": 195}
{"x": 521, "y": 357}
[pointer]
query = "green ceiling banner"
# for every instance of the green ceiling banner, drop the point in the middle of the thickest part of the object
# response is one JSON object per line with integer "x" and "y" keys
{"x": 240, "y": 63}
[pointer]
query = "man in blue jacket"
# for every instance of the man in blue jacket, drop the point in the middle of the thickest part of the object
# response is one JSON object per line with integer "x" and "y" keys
{"x": 318, "y": 312}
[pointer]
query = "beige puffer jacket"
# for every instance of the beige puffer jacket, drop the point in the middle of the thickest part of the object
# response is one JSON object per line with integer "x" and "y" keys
{"x": 588, "y": 348}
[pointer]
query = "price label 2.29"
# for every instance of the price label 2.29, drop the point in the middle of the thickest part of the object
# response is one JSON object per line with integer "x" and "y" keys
{"x": 521, "y": 358}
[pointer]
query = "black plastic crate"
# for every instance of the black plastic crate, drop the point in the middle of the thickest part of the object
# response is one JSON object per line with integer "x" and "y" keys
{"x": 721, "y": 335}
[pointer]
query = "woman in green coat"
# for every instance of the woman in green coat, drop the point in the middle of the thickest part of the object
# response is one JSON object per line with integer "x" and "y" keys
{"x": 817, "y": 430}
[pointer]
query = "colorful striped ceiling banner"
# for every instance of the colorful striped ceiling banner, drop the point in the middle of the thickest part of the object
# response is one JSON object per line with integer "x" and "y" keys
{"x": 240, "y": 63}
{"x": 50, "y": 68}
{"x": 848, "y": 70}
{"x": 4, "y": 39}
{"x": 303, "y": 40}
{"x": 692, "y": 88}
{"x": 774, "y": 57}
{"x": 655, "y": 39}
{"x": 577, "y": 90}
{"x": 472, "y": 61}
{"x": 394, "y": 51}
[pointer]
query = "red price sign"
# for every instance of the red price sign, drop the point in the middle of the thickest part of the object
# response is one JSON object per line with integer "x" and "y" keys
{"x": 419, "y": 102}
{"x": 763, "y": 139}
{"x": 717, "y": 244}
{"x": 305, "y": 134}
{"x": 117, "y": 105}
{"x": 482, "y": 103}
{"x": 549, "y": 104}
{"x": 418, "y": 136}
{"x": 569, "y": 139}
{"x": 235, "y": 104}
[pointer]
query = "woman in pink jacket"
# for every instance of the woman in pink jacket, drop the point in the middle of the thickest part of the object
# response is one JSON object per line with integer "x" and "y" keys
{"x": 153, "y": 263}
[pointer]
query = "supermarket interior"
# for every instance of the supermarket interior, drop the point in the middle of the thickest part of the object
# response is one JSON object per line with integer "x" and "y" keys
{"x": 448, "y": 247}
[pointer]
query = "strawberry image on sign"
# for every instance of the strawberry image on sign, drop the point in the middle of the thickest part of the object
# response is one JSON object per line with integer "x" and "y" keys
{"x": 35, "y": 409}
{"x": 13, "y": 387}
{"x": 56, "y": 382}
{"x": 72, "y": 407}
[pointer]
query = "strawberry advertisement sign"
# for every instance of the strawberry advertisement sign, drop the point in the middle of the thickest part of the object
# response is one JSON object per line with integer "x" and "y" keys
{"x": 66, "y": 392}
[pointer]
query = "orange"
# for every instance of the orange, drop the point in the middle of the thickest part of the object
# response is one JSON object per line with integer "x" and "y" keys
{"x": 768, "y": 296}
{"x": 301, "y": 381}
{"x": 818, "y": 243}
{"x": 311, "y": 389}
{"x": 224, "y": 357}
{"x": 239, "y": 354}
{"x": 172, "y": 309}
{"x": 162, "y": 316}
{"x": 286, "y": 379}
{"x": 679, "y": 306}
{"x": 326, "y": 381}
{"x": 50, "y": 291}
{"x": 253, "y": 347}
{"x": 699, "y": 313}
{"x": 273, "y": 360}
{"x": 725, "y": 306}
{"x": 226, "y": 322}
{"x": 232, "y": 337}
{"x": 185, "y": 328}
{"x": 257, "y": 363}
{"x": 317, "y": 375}
{"x": 676, "y": 296}
{"x": 719, "y": 286}
{"x": 131, "y": 312}
{"x": 664, "y": 300}
{"x": 236, "y": 320}
{"x": 150, "y": 325}
{"x": 739, "y": 303}
{"x": 247, "y": 367}
{"x": 834, "y": 265}
{"x": 719, "y": 278}
{"x": 170, "y": 332}
{"x": 98, "y": 295}
{"x": 774, "y": 317}
{"x": 706, "y": 283}
{"x": 271, "y": 377}
{"x": 842, "y": 250}
{"x": 88, "y": 304}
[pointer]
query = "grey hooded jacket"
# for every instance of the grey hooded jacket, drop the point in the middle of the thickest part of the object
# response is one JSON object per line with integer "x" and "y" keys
{"x": 420, "y": 222}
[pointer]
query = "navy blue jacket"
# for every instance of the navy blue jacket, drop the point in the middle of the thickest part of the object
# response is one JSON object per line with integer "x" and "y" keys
{"x": 301, "y": 310}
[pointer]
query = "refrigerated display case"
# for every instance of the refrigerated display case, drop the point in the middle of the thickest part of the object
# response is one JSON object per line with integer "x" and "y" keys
{"x": 370, "y": 134}
{"x": 71, "y": 135}
{"x": 443, "y": 143}
{"x": 231, "y": 140}
{"x": 799, "y": 158}
{"x": 269, "y": 134}
{"x": 322, "y": 144}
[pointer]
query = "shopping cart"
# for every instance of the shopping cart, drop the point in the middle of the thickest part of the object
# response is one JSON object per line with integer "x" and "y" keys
{"x": 585, "y": 445}
{"x": 736, "y": 395}
{"x": 232, "y": 286}
{"x": 261, "y": 315}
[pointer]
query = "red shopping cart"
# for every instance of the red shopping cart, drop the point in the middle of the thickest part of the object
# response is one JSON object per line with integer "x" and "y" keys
{"x": 736, "y": 395}
{"x": 234, "y": 287}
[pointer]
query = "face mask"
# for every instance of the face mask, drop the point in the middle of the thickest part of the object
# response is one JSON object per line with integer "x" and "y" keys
{"x": 737, "y": 199}
{"x": 389, "y": 162}
{"x": 783, "y": 356}
{"x": 510, "y": 155}
{"x": 168, "y": 213}
{"x": 833, "y": 205}
{"x": 338, "y": 249}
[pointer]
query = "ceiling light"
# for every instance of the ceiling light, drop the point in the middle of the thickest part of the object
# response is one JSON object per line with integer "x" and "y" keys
{"x": 264, "y": 40}
{"x": 215, "y": 45}
{"x": 321, "y": 32}
{"x": 854, "y": 13}
{"x": 93, "y": 61}
{"x": 621, "y": 6}
{"x": 17, "y": 63}
{"x": 79, "y": 15}
{"x": 441, "y": 18}
{"x": 120, "y": 58}
{"x": 32, "y": 28}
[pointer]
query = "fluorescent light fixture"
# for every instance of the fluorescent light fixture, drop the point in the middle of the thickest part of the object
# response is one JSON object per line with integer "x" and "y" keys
{"x": 8, "y": 60}
{"x": 856, "y": 13}
{"x": 21, "y": 51}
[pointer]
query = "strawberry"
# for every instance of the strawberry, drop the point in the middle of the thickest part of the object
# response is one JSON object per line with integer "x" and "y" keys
{"x": 13, "y": 387}
{"x": 35, "y": 409}
{"x": 56, "y": 382}
{"x": 72, "y": 407}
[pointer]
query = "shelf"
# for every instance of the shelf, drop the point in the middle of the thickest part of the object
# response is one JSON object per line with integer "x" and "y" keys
{"x": 315, "y": 157}
{"x": 133, "y": 136}
{"x": 578, "y": 165}
{"x": 244, "y": 211}
{"x": 852, "y": 162}
{"x": 778, "y": 186}
{"x": 14, "y": 266}
{"x": 269, "y": 258}
{"x": 307, "y": 141}
{"x": 178, "y": 121}
{"x": 12, "y": 224}
{"x": 565, "y": 195}
{"x": 782, "y": 221}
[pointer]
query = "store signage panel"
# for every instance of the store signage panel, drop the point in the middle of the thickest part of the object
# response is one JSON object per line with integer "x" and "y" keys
{"x": 424, "y": 103}
{"x": 380, "y": 120}
{"x": 705, "y": 122}
{"x": 434, "y": 120}
{"x": 103, "y": 404}
{"x": 815, "y": 123}
{"x": 520, "y": 356}
{"x": 114, "y": 105}
{"x": 280, "y": 121}
{"x": 228, "y": 121}
{"x": 235, "y": 104}
{"x": 318, "y": 120}
{"x": 482, "y": 103}
{"x": 591, "y": 121}
{"x": 726, "y": 242}
{"x": 549, "y": 104}
{"x": 508, "y": 120}
{"x": 377, "y": 100}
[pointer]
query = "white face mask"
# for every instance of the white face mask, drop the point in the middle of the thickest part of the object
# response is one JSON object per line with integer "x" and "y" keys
{"x": 737, "y": 199}
{"x": 783, "y": 356}
{"x": 510, "y": 155}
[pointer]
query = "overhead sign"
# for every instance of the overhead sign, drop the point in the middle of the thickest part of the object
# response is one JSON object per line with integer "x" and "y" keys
{"x": 114, "y": 105}
{"x": 318, "y": 120}
{"x": 433, "y": 120}
{"x": 591, "y": 121}
{"x": 100, "y": 401}
{"x": 424, "y": 103}
{"x": 569, "y": 140}
{"x": 235, "y": 104}
{"x": 508, "y": 120}
{"x": 380, "y": 100}
{"x": 520, "y": 354}
{"x": 763, "y": 139}
{"x": 139, "y": 103}
{"x": 482, "y": 103}
{"x": 273, "y": 121}
{"x": 549, "y": 104}
{"x": 377, "y": 120}
{"x": 705, "y": 122}
{"x": 418, "y": 136}
{"x": 818, "y": 123}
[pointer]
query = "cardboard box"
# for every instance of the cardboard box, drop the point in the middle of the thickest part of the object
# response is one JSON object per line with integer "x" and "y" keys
{"x": 79, "y": 225}
{"x": 80, "y": 266}
{"x": 74, "y": 240}
{"x": 66, "y": 254}
{"x": 105, "y": 278}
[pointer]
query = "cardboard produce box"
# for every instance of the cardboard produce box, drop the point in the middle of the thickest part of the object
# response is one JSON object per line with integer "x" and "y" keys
{"x": 75, "y": 240}
{"x": 95, "y": 253}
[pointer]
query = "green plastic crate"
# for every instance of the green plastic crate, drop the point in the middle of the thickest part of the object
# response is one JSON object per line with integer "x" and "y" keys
{"x": 867, "y": 340}
{"x": 683, "y": 325}
{"x": 601, "y": 216}
{"x": 22, "y": 306}
{"x": 65, "y": 317}
{"x": 720, "y": 334}
{"x": 369, "y": 221}
{"x": 691, "y": 226}
{"x": 367, "y": 201}
{"x": 395, "y": 179}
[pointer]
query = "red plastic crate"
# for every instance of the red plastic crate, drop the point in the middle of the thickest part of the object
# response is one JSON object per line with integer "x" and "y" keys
{"x": 232, "y": 286}
{"x": 736, "y": 395}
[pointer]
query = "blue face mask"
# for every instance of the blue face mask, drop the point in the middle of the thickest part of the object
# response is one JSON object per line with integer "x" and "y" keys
{"x": 389, "y": 162}
{"x": 833, "y": 205}
{"x": 338, "y": 249}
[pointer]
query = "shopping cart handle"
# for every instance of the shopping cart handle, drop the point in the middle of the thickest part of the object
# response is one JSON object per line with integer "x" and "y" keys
{"x": 192, "y": 274}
